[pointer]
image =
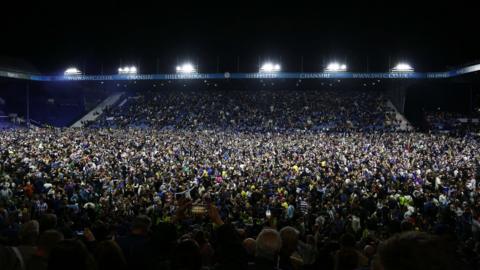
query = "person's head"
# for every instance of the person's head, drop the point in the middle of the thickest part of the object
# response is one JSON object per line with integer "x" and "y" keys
{"x": 406, "y": 226}
{"x": 250, "y": 245}
{"x": 242, "y": 233}
{"x": 8, "y": 258}
{"x": 269, "y": 244}
{"x": 414, "y": 250}
{"x": 187, "y": 256}
{"x": 29, "y": 232}
{"x": 46, "y": 241}
{"x": 109, "y": 256}
{"x": 141, "y": 225}
{"x": 346, "y": 259}
{"x": 101, "y": 231}
{"x": 71, "y": 255}
{"x": 369, "y": 251}
{"x": 200, "y": 238}
{"x": 347, "y": 241}
{"x": 164, "y": 237}
{"x": 48, "y": 222}
{"x": 289, "y": 237}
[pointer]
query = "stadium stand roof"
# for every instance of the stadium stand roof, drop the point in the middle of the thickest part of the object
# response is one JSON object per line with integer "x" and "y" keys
{"x": 274, "y": 75}
{"x": 16, "y": 65}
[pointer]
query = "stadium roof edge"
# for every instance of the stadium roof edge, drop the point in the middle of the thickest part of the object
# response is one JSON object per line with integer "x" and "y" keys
{"x": 17, "y": 65}
{"x": 227, "y": 75}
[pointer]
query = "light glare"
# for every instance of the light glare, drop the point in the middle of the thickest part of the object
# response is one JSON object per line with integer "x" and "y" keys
{"x": 336, "y": 67}
{"x": 402, "y": 67}
{"x": 186, "y": 68}
{"x": 270, "y": 67}
{"x": 128, "y": 70}
{"x": 72, "y": 71}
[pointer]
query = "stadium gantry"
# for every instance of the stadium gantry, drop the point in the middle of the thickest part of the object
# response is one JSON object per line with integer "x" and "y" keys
{"x": 260, "y": 75}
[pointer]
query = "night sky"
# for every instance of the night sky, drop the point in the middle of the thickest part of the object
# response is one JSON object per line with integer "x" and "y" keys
{"x": 367, "y": 35}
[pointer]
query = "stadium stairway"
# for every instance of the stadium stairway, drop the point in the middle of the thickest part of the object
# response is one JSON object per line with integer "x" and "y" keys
{"x": 405, "y": 125}
{"x": 97, "y": 111}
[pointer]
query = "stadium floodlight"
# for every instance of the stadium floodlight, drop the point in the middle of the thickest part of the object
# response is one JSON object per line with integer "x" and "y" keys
{"x": 402, "y": 67}
{"x": 186, "y": 68}
{"x": 336, "y": 67}
{"x": 270, "y": 67}
{"x": 128, "y": 70}
{"x": 72, "y": 71}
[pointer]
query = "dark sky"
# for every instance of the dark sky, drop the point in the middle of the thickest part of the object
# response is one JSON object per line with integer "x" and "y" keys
{"x": 89, "y": 35}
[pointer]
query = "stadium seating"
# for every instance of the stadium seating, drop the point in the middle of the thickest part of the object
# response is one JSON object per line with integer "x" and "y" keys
{"x": 316, "y": 110}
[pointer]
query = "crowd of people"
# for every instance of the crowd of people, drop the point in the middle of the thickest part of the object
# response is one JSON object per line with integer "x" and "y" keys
{"x": 453, "y": 122}
{"x": 203, "y": 192}
{"x": 319, "y": 110}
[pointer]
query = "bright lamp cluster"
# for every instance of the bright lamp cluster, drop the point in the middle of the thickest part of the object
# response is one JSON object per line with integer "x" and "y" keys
{"x": 270, "y": 67}
{"x": 186, "y": 68}
{"x": 402, "y": 67}
{"x": 336, "y": 67}
{"x": 72, "y": 71}
{"x": 127, "y": 70}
